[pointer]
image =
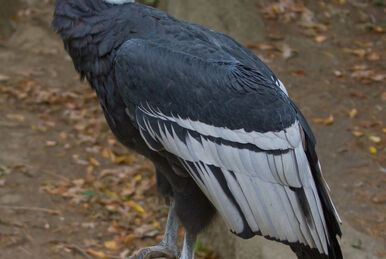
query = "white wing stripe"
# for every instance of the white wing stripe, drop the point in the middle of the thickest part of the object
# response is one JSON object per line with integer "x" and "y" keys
{"x": 281, "y": 140}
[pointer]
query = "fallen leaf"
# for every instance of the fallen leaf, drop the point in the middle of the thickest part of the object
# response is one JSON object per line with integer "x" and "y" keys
{"x": 337, "y": 73}
{"x": 129, "y": 238}
{"x": 358, "y": 95}
{"x": 110, "y": 245}
{"x": 373, "y": 56}
{"x": 136, "y": 207}
{"x": 383, "y": 96}
{"x": 286, "y": 50}
{"x": 16, "y": 117}
{"x": 327, "y": 121}
{"x": 137, "y": 178}
{"x": 301, "y": 73}
{"x": 357, "y": 133}
{"x": 357, "y": 52}
{"x": 4, "y": 78}
{"x": 379, "y": 198}
{"x": 368, "y": 124}
{"x": 320, "y": 38}
{"x": 372, "y": 150}
{"x": 94, "y": 162}
{"x": 375, "y": 139}
{"x": 262, "y": 46}
{"x": 97, "y": 254}
{"x": 156, "y": 224}
{"x": 378, "y": 77}
{"x": 379, "y": 29}
{"x": 51, "y": 143}
{"x": 353, "y": 113}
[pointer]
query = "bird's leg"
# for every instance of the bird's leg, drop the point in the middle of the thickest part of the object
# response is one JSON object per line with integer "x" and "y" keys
{"x": 189, "y": 245}
{"x": 168, "y": 246}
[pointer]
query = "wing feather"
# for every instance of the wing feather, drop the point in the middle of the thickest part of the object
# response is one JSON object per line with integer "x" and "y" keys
{"x": 272, "y": 193}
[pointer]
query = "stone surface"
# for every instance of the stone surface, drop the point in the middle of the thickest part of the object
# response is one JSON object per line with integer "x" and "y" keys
{"x": 355, "y": 245}
{"x": 238, "y": 19}
{"x": 7, "y": 10}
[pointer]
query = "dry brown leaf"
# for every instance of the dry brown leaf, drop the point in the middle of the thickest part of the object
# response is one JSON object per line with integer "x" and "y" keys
{"x": 262, "y": 46}
{"x": 51, "y": 143}
{"x": 357, "y": 52}
{"x": 2, "y": 182}
{"x": 4, "y": 78}
{"x": 375, "y": 139}
{"x": 379, "y": 198}
{"x": 327, "y": 121}
{"x": 353, "y": 113}
{"x": 383, "y": 96}
{"x": 300, "y": 73}
{"x": 337, "y": 73}
{"x": 373, "y": 56}
{"x": 285, "y": 10}
{"x": 16, "y": 117}
{"x": 320, "y": 38}
{"x": 63, "y": 135}
{"x": 97, "y": 254}
{"x": 94, "y": 162}
{"x": 378, "y": 77}
{"x": 379, "y": 29}
{"x": 357, "y": 133}
{"x": 286, "y": 50}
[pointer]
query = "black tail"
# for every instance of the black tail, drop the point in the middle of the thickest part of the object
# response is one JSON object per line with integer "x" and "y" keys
{"x": 333, "y": 226}
{"x": 305, "y": 252}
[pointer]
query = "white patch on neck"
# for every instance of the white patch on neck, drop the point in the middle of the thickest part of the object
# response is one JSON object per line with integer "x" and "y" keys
{"x": 119, "y": 1}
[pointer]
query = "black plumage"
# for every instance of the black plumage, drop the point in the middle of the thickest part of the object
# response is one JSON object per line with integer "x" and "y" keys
{"x": 217, "y": 123}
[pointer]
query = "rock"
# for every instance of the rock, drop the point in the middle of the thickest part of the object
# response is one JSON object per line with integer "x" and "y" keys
{"x": 355, "y": 245}
{"x": 238, "y": 19}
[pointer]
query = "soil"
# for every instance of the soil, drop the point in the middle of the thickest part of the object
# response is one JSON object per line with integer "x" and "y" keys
{"x": 61, "y": 170}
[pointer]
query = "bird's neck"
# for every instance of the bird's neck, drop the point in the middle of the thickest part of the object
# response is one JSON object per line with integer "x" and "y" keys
{"x": 89, "y": 32}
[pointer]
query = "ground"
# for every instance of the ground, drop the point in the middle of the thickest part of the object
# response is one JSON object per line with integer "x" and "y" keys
{"x": 69, "y": 190}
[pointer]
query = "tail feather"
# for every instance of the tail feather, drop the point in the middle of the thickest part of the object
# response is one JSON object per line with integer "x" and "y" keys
{"x": 330, "y": 214}
{"x": 305, "y": 252}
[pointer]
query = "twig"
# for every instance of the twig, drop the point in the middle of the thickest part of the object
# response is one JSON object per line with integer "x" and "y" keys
{"x": 30, "y": 209}
{"x": 57, "y": 175}
{"x": 10, "y": 223}
{"x": 8, "y": 125}
{"x": 25, "y": 250}
{"x": 79, "y": 250}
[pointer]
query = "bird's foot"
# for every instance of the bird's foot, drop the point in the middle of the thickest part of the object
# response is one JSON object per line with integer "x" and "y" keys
{"x": 157, "y": 251}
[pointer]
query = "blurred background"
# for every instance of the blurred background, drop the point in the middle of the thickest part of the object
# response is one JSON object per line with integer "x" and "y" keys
{"x": 69, "y": 190}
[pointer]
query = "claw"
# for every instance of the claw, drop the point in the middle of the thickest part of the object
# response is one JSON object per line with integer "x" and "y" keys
{"x": 155, "y": 252}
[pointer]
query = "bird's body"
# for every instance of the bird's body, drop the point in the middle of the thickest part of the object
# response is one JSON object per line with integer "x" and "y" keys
{"x": 217, "y": 123}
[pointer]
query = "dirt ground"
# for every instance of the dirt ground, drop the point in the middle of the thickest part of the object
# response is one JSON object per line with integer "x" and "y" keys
{"x": 69, "y": 190}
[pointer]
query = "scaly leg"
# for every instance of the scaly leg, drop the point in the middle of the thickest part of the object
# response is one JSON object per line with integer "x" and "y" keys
{"x": 168, "y": 246}
{"x": 189, "y": 245}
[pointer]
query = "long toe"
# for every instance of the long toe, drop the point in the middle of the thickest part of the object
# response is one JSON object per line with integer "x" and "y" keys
{"x": 158, "y": 251}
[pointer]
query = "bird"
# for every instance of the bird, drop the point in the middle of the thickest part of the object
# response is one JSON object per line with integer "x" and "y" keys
{"x": 223, "y": 134}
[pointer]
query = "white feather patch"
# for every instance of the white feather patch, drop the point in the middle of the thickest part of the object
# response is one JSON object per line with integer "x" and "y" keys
{"x": 260, "y": 182}
{"x": 280, "y": 140}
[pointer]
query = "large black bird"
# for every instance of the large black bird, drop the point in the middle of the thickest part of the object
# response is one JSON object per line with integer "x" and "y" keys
{"x": 218, "y": 124}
